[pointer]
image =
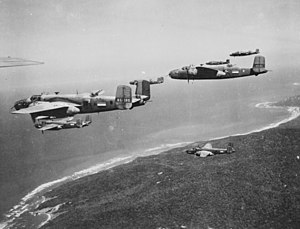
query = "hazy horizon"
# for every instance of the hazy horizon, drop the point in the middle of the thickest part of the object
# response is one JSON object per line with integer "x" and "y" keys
{"x": 118, "y": 41}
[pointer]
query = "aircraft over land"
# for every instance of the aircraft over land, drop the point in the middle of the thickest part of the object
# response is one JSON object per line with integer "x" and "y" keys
{"x": 218, "y": 62}
{"x": 13, "y": 62}
{"x": 51, "y": 108}
{"x": 244, "y": 53}
{"x": 208, "y": 150}
{"x": 208, "y": 72}
{"x": 60, "y": 123}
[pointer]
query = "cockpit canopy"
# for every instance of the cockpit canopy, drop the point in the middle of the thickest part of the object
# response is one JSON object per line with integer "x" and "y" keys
{"x": 35, "y": 98}
{"x": 24, "y": 103}
{"x": 189, "y": 67}
{"x": 20, "y": 104}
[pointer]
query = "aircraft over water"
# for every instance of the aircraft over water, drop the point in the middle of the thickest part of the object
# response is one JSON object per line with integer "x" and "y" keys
{"x": 209, "y": 72}
{"x": 244, "y": 53}
{"x": 208, "y": 150}
{"x": 46, "y": 123}
{"x": 159, "y": 80}
{"x": 218, "y": 62}
{"x": 13, "y": 62}
{"x": 51, "y": 110}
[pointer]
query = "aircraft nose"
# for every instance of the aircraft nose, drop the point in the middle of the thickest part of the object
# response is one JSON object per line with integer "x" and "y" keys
{"x": 173, "y": 73}
{"x": 20, "y": 104}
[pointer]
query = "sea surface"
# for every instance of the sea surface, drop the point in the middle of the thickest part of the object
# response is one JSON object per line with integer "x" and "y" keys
{"x": 180, "y": 113}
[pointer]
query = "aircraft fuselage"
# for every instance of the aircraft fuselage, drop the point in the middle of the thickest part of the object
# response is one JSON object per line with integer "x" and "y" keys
{"x": 79, "y": 104}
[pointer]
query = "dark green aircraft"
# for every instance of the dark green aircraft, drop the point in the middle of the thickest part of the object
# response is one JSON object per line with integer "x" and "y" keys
{"x": 210, "y": 72}
{"x": 218, "y": 62}
{"x": 244, "y": 53}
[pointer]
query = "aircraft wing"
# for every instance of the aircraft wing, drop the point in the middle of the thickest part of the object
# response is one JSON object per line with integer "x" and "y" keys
{"x": 49, "y": 127}
{"x": 205, "y": 153}
{"x": 135, "y": 100}
{"x": 43, "y": 106}
{"x": 12, "y": 62}
{"x": 141, "y": 98}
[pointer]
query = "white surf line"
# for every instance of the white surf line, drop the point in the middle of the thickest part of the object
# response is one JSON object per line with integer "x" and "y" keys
{"x": 167, "y": 146}
{"x": 105, "y": 166}
{"x": 295, "y": 113}
{"x": 15, "y": 211}
{"x": 21, "y": 208}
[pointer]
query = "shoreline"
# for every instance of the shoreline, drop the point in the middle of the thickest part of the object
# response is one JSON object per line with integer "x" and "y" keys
{"x": 22, "y": 207}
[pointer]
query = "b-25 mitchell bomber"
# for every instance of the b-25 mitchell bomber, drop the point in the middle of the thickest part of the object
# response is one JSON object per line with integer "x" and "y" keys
{"x": 218, "y": 62}
{"x": 47, "y": 123}
{"x": 244, "y": 53}
{"x": 51, "y": 108}
{"x": 207, "y": 72}
{"x": 159, "y": 80}
{"x": 208, "y": 150}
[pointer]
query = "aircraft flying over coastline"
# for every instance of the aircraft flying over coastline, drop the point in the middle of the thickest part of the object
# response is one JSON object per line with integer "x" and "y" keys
{"x": 208, "y": 72}
{"x": 218, "y": 62}
{"x": 51, "y": 108}
{"x": 244, "y": 53}
{"x": 13, "y": 62}
{"x": 208, "y": 150}
{"x": 46, "y": 123}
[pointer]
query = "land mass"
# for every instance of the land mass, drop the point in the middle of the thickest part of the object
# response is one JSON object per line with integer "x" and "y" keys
{"x": 258, "y": 186}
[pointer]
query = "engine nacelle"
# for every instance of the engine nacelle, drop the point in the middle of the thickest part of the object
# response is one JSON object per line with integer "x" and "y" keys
{"x": 72, "y": 110}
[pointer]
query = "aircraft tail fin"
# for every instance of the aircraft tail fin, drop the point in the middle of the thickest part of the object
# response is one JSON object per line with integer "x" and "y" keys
{"x": 143, "y": 88}
{"x": 230, "y": 148}
{"x": 259, "y": 65}
{"x": 123, "y": 97}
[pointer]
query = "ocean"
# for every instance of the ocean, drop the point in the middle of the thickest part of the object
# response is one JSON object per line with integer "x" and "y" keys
{"x": 179, "y": 113}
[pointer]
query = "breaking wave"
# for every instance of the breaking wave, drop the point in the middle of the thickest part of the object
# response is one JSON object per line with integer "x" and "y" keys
{"x": 294, "y": 113}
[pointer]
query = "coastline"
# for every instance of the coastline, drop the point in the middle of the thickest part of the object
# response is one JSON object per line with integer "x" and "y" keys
{"x": 255, "y": 187}
{"x": 23, "y": 206}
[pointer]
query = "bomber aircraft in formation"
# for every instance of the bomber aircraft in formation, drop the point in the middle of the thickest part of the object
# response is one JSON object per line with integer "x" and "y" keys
{"x": 244, "y": 53}
{"x": 208, "y": 150}
{"x": 218, "y": 62}
{"x": 52, "y": 123}
{"x": 13, "y": 62}
{"x": 208, "y": 72}
{"x": 55, "y": 110}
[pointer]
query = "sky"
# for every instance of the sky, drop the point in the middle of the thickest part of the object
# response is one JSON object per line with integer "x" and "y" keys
{"x": 115, "y": 41}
